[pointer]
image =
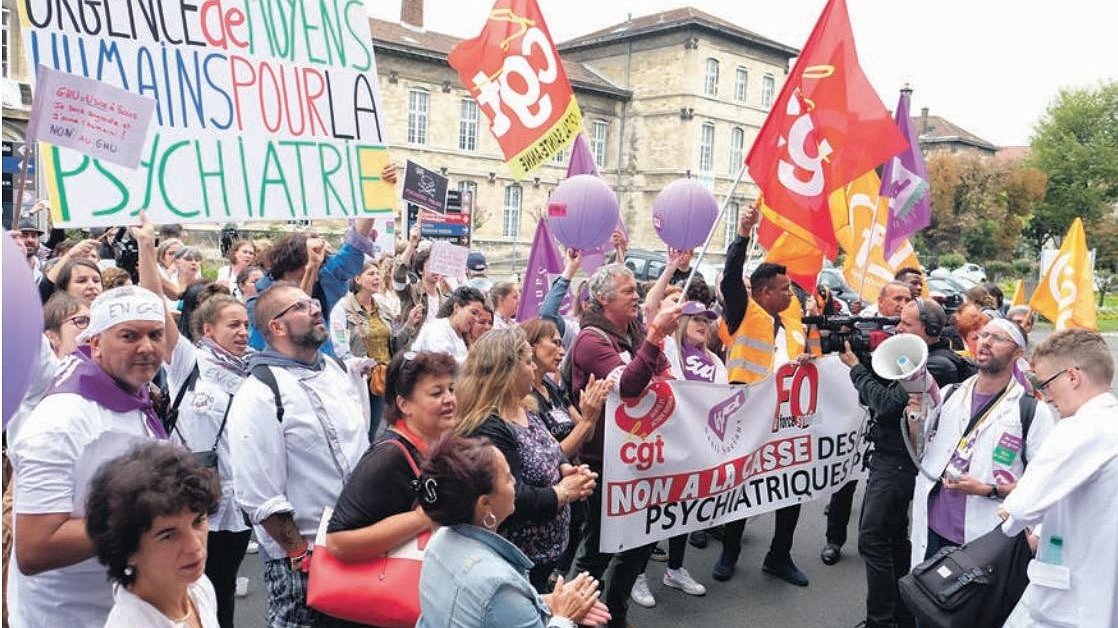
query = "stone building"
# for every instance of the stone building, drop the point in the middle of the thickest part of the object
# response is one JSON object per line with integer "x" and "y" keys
{"x": 939, "y": 135}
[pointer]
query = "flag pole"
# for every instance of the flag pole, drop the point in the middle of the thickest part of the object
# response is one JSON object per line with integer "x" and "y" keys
{"x": 713, "y": 227}
{"x": 873, "y": 229}
{"x": 17, "y": 209}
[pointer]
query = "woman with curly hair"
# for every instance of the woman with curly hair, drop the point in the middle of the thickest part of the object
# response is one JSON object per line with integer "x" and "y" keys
{"x": 147, "y": 517}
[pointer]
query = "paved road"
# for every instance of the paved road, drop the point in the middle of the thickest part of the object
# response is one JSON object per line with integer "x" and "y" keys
{"x": 835, "y": 598}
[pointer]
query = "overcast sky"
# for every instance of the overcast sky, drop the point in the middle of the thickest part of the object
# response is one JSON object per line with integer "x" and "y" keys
{"x": 990, "y": 66}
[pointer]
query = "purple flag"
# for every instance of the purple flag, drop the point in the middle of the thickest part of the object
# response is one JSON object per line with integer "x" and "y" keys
{"x": 582, "y": 162}
{"x": 542, "y": 259}
{"x": 905, "y": 182}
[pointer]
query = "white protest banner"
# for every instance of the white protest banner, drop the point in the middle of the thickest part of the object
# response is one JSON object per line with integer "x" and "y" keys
{"x": 448, "y": 259}
{"x": 686, "y": 456}
{"x": 93, "y": 118}
{"x": 263, "y": 111}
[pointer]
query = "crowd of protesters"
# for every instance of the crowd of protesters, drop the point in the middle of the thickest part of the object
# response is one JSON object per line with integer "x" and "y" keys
{"x": 312, "y": 378}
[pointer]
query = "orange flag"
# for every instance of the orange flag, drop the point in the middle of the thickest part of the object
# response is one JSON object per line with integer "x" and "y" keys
{"x": 1018, "y": 294}
{"x": 852, "y": 212}
{"x": 1066, "y": 293}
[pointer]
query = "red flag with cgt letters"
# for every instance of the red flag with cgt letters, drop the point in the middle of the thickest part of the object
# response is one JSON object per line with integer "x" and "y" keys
{"x": 827, "y": 128}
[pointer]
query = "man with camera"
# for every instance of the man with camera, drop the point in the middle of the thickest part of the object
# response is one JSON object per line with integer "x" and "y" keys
{"x": 883, "y": 532}
{"x": 894, "y": 296}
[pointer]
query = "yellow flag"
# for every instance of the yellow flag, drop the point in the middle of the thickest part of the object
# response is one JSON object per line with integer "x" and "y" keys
{"x": 852, "y": 212}
{"x": 1066, "y": 293}
{"x": 1018, "y": 294}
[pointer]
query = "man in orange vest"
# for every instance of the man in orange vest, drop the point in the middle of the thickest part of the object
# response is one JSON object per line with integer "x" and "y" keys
{"x": 766, "y": 331}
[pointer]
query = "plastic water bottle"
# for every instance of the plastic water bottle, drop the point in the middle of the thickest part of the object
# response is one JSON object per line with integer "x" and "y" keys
{"x": 1054, "y": 551}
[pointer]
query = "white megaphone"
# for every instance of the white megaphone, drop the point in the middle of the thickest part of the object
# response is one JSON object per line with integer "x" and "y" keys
{"x": 904, "y": 359}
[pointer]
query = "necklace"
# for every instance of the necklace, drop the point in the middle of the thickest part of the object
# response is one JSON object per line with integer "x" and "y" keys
{"x": 189, "y": 612}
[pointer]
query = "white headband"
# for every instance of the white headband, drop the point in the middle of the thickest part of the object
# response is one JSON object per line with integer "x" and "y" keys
{"x": 1009, "y": 328}
{"x": 121, "y": 305}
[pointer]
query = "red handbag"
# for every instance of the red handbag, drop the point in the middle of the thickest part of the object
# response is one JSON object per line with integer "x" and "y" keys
{"x": 381, "y": 592}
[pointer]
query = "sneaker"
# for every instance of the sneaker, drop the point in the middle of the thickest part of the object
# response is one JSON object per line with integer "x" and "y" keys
{"x": 680, "y": 579}
{"x": 253, "y": 547}
{"x": 658, "y": 554}
{"x": 723, "y": 571}
{"x": 640, "y": 593}
{"x": 698, "y": 538}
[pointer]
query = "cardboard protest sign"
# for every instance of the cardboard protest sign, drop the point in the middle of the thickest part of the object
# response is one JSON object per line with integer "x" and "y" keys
{"x": 448, "y": 259}
{"x": 90, "y": 117}
{"x": 513, "y": 71}
{"x": 687, "y": 455}
{"x": 261, "y": 113}
{"x": 424, "y": 187}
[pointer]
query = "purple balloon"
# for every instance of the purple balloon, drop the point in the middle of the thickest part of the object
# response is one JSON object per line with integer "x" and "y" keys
{"x": 23, "y": 327}
{"x": 683, "y": 214}
{"x": 582, "y": 212}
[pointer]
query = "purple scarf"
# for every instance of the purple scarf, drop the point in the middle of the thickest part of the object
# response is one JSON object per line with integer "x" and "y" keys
{"x": 696, "y": 363}
{"x": 81, "y": 375}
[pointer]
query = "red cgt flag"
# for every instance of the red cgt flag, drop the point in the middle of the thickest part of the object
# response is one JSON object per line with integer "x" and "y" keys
{"x": 827, "y": 128}
{"x": 514, "y": 73}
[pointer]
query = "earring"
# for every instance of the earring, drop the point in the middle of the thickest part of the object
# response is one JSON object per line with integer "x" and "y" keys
{"x": 489, "y": 520}
{"x": 129, "y": 571}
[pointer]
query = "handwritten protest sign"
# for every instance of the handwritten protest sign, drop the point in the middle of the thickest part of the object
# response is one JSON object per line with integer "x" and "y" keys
{"x": 689, "y": 455}
{"x": 448, "y": 259}
{"x": 99, "y": 120}
{"x": 263, "y": 111}
{"x": 424, "y": 187}
{"x": 513, "y": 71}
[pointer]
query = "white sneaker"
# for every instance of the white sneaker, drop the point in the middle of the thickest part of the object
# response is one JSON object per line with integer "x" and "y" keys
{"x": 252, "y": 548}
{"x": 640, "y": 593}
{"x": 680, "y": 579}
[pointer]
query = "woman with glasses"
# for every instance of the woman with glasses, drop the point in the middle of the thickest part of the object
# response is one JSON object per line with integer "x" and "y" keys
{"x": 202, "y": 378}
{"x": 448, "y": 333}
{"x": 64, "y": 317}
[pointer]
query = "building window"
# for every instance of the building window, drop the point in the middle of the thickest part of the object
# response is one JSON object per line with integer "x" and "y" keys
{"x": 561, "y": 157}
{"x": 768, "y": 86}
{"x": 598, "y": 142}
{"x": 467, "y": 125}
{"x": 741, "y": 83}
{"x": 510, "y": 219}
{"x": 7, "y": 23}
{"x": 737, "y": 146}
{"x": 710, "y": 79}
{"x": 731, "y": 221}
{"x": 417, "y": 116}
{"x": 706, "y": 148}
{"x": 468, "y": 190}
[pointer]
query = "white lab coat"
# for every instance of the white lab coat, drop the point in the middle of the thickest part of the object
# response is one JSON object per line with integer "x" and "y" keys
{"x": 953, "y": 417}
{"x": 1072, "y": 488}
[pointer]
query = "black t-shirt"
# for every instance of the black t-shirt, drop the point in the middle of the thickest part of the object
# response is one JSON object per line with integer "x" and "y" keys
{"x": 380, "y": 486}
{"x": 554, "y": 410}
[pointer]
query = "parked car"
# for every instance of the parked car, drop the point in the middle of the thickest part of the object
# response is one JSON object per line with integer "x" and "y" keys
{"x": 972, "y": 272}
{"x": 647, "y": 266}
{"x": 947, "y": 292}
{"x": 832, "y": 279}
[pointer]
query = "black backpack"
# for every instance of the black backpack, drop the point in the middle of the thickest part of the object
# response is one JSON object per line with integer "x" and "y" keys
{"x": 263, "y": 373}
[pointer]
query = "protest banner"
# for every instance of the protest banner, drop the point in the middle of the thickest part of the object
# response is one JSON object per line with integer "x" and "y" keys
{"x": 687, "y": 455}
{"x": 514, "y": 73}
{"x": 93, "y": 118}
{"x": 424, "y": 187}
{"x": 448, "y": 259}
{"x": 261, "y": 112}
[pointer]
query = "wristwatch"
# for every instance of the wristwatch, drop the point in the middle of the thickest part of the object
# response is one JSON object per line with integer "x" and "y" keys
{"x": 993, "y": 494}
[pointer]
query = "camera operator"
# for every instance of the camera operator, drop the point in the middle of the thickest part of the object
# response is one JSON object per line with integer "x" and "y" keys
{"x": 883, "y": 538}
{"x": 894, "y": 296}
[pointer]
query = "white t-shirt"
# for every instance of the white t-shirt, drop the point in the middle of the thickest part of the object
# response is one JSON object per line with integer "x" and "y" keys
{"x": 41, "y": 378}
{"x": 58, "y": 450}
{"x": 130, "y": 610}
{"x": 439, "y": 336}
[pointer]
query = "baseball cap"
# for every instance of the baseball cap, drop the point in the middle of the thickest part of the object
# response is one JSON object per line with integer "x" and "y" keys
{"x": 694, "y": 308}
{"x": 476, "y": 262}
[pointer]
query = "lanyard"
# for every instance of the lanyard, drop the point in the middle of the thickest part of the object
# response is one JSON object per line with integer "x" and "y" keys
{"x": 978, "y": 423}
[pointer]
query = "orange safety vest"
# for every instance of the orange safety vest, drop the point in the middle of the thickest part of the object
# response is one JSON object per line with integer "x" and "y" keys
{"x": 751, "y": 353}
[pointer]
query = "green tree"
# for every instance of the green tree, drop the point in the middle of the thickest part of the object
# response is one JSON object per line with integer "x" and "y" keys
{"x": 1076, "y": 145}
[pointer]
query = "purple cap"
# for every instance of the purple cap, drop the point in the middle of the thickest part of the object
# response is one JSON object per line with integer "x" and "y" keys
{"x": 694, "y": 308}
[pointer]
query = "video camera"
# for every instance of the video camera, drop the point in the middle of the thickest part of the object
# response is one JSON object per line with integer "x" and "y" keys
{"x": 126, "y": 251}
{"x": 863, "y": 333}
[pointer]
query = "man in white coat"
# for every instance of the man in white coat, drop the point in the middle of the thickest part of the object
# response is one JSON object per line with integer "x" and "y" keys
{"x": 1071, "y": 490}
{"x": 977, "y": 447}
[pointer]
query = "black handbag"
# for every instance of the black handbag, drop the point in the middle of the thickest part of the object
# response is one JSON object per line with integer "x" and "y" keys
{"x": 973, "y": 586}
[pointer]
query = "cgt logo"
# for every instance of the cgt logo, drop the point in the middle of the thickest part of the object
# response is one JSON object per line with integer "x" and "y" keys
{"x": 641, "y": 416}
{"x": 797, "y": 394}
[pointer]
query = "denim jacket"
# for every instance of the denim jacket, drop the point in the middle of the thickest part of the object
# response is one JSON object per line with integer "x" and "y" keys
{"x": 473, "y": 578}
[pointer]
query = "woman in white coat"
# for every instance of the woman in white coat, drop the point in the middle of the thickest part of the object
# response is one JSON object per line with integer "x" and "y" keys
{"x": 978, "y": 466}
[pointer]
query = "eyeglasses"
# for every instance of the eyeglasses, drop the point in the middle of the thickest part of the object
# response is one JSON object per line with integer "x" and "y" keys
{"x": 991, "y": 336}
{"x": 1041, "y": 387}
{"x": 81, "y": 321}
{"x": 302, "y": 305}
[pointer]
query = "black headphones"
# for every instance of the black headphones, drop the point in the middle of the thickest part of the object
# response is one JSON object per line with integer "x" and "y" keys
{"x": 931, "y": 328}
